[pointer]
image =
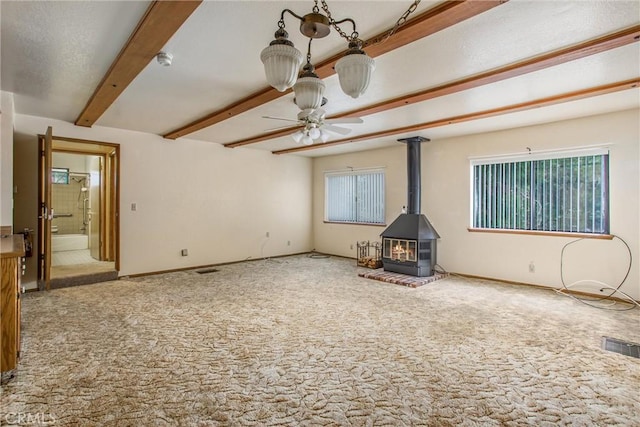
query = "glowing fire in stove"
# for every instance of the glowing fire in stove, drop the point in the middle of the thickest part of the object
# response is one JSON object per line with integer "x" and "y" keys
{"x": 401, "y": 253}
{"x": 400, "y": 250}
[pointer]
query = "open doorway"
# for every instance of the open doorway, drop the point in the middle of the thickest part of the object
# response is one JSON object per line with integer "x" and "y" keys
{"x": 80, "y": 213}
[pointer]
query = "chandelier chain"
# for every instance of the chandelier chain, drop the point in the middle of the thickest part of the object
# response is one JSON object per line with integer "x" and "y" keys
{"x": 399, "y": 23}
{"x": 332, "y": 21}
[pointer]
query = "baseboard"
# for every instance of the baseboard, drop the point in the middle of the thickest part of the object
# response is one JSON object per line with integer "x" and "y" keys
{"x": 533, "y": 285}
{"x": 333, "y": 255}
{"x": 196, "y": 267}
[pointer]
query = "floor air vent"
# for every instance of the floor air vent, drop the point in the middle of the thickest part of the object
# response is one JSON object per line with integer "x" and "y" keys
{"x": 207, "y": 270}
{"x": 622, "y": 347}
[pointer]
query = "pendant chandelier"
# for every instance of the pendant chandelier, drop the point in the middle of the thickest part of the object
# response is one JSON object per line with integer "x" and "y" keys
{"x": 282, "y": 60}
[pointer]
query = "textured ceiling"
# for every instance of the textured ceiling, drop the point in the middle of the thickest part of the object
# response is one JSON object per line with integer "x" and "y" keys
{"x": 54, "y": 54}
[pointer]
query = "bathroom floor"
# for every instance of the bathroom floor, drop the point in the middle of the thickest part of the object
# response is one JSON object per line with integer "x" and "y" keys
{"x": 77, "y": 263}
{"x": 71, "y": 257}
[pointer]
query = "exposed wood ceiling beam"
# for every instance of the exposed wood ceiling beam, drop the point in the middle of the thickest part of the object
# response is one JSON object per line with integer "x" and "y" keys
{"x": 433, "y": 20}
{"x": 438, "y": 18}
{"x": 543, "y": 102}
{"x": 264, "y": 137}
{"x": 161, "y": 20}
{"x": 581, "y": 50}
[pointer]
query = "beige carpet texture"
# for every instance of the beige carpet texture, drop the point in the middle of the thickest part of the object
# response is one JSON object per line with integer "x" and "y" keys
{"x": 302, "y": 341}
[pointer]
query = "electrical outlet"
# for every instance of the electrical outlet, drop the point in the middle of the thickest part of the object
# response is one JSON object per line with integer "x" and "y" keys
{"x": 184, "y": 252}
{"x": 134, "y": 207}
{"x": 267, "y": 234}
{"x": 288, "y": 242}
{"x": 532, "y": 267}
{"x": 352, "y": 247}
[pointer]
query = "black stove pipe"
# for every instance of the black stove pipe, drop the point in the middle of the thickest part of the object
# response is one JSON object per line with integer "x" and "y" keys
{"x": 413, "y": 172}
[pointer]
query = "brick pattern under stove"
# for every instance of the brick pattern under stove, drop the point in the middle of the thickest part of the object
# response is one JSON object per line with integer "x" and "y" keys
{"x": 402, "y": 279}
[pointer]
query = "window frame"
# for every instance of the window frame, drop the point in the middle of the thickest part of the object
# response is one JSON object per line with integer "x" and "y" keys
{"x": 60, "y": 172}
{"x": 541, "y": 156}
{"x": 355, "y": 172}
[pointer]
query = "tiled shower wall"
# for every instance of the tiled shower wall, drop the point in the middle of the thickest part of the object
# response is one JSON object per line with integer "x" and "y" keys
{"x": 66, "y": 199}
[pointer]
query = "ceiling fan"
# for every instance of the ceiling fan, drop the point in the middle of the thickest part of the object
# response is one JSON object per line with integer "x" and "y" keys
{"x": 316, "y": 126}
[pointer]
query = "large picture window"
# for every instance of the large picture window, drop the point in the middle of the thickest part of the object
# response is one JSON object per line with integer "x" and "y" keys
{"x": 563, "y": 193}
{"x": 355, "y": 197}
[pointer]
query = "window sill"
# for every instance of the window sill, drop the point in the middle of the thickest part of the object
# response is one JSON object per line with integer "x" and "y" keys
{"x": 375, "y": 224}
{"x": 542, "y": 233}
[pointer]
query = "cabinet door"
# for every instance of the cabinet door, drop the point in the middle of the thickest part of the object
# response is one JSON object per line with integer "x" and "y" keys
{"x": 8, "y": 314}
{"x": 18, "y": 304}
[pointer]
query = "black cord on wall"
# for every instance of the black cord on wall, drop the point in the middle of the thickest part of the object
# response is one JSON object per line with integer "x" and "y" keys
{"x": 614, "y": 290}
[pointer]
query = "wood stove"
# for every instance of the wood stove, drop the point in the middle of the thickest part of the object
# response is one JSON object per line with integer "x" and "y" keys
{"x": 409, "y": 243}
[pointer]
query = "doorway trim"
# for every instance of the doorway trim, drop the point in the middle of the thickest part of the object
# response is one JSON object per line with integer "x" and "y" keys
{"x": 110, "y": 152}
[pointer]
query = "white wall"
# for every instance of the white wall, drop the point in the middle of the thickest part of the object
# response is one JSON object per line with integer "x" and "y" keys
{"x": 6, "y": 158}
{"x": 217, "y": 202}
{"x": 446, "y": 202}
{"x": 340, "y": 239}
{"x": 73, "y": 162}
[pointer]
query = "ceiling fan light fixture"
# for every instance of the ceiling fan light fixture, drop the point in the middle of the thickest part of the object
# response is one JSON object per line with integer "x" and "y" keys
{"x": 314, "y": 133}
{"x": 297, "y": 136}
{"x": 307, "y": 140}
{"x": 281, "y": 62}
{"x": 355, "y": 70}
{"x": 324, "y": 136}
{"x": 305, "y": 113}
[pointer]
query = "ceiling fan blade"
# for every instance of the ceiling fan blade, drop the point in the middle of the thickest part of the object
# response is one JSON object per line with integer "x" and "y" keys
{"x": 279, "y": 128}
{"x": 279, "y": 118}
{"x": 346, "y": 120}
{"x": 336, "y": 129}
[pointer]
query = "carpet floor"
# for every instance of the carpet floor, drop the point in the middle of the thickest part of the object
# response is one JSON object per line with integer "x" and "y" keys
{"x": 303, "y": 341}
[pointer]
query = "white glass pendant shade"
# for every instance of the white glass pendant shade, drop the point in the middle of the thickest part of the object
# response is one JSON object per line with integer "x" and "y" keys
{"x": 281, "y": 65}
{"x": 324, "y": 136}
{"x": 309, "y": 92}
{"x": 354, "y": 72}
{"x": 307, "y": 140}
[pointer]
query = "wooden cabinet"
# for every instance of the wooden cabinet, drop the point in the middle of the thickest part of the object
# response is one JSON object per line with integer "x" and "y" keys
{"x": 12, "y": 251}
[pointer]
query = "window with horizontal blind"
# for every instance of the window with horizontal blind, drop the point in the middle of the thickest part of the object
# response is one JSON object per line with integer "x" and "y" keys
{"x": 566, "y": 192}
{"x": 355, "y": 197}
